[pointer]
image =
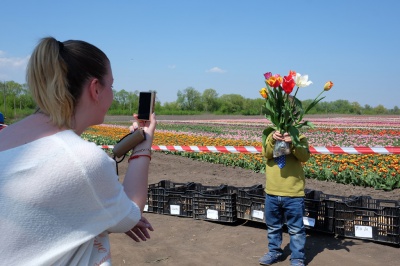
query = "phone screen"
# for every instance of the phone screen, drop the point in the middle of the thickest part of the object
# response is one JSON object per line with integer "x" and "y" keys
{"x": 146, "y": 103}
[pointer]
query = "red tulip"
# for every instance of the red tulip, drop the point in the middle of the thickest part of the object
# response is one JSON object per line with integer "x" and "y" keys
{"x": 288, "y": 84}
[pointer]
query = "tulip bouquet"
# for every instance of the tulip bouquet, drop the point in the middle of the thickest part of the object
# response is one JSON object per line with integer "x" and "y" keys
{"x": 285, "y": 111}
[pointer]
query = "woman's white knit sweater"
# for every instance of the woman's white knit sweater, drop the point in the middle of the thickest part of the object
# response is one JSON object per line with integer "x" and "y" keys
{"x": 59, "y": 198}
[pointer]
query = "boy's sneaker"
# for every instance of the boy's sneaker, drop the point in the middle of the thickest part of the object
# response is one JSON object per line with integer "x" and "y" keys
{"x": 297, "y": 262}
{"x": 270, "y": 258}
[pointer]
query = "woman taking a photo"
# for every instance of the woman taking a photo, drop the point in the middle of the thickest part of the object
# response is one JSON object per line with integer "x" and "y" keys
{"x": 59, "y": 195}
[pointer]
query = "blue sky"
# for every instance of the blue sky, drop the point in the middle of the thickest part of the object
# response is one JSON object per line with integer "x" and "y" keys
{"x": 169, "y": 45}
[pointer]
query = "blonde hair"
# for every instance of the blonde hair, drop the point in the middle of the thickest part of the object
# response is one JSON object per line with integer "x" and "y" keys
{"x": 56, "y": 74}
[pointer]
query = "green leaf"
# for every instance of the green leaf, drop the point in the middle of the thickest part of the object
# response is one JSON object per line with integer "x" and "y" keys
{"x": 265, "y": 134}
{"x": 305, "y": 124}
{"x": 309, "y": 124}
{"x": 294, "y": 133}
{"x": 313, "y": 104}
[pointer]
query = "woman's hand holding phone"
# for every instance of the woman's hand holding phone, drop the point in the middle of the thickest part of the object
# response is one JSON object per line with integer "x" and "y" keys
{"x": 148, "y": 126}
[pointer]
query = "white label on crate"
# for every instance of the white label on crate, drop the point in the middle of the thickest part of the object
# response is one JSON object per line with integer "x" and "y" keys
{"x": 363, "y": 231}
{"x": 258, "y": 214}
{"x": 212, "y": 214}
{"x": 146, "y": 208}
{"x": 175, "y": 209}
{"x": 309, "y": 221}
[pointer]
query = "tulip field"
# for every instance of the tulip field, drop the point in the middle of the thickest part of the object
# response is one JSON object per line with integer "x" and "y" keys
{"x": 380, "y": 171}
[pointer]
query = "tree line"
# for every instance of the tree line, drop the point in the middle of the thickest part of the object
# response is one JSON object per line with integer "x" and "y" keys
{"x": 16, "y": 102}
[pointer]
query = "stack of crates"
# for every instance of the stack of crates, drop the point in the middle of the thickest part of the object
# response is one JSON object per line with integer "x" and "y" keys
{"x": 355, "y": 217}
{"x": 169, "y": 198}
{"x": 251, "y": 203}
{"x": 320, "y": 210}
{"x": 215, "y": 203}
{"x": 369, "y": 219}
{"x": 212, "y": 203}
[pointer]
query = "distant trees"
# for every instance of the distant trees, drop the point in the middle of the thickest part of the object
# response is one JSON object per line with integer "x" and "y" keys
{"x": 209, "y": 98}
{"x": 16, "y": 102}
{"x": 189, "y": 100}
{"x": 15, "y": 99}
{"x": 124, "y": 102}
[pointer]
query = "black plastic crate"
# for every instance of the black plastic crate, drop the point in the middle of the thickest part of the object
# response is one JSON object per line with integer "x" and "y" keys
{"x": 369, "y": 219}
{"x": 251, "y": 203}
{"x": 169, "y": 198}
{"x": 320, "y": 210}
{"x": 215, "y": 203}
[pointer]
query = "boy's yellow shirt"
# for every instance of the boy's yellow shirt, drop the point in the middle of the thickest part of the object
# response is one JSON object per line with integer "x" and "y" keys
{"x": 288, "y": 181}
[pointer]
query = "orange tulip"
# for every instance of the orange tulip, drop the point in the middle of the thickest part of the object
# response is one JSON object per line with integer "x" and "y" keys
{"x": 274, "y": 81}
{"x": 328, "y": 86}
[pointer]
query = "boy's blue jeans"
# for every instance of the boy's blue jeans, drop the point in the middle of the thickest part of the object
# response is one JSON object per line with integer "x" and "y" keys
{"x": 290, "y": 209}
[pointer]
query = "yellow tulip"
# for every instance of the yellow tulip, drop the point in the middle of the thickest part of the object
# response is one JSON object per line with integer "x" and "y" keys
{"x": 264, "y": 93}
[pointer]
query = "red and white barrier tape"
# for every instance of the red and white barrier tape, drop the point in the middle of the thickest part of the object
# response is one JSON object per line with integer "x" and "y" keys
{"x": 355, "y": 150}
{"x": 252, "y": 149}
{"x": 223, "y": 149}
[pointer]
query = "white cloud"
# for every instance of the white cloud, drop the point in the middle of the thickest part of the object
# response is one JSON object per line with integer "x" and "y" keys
{"x": 216, "y": 70}
{"x": 171, "y": 66}
{"x": 13, "y": 68}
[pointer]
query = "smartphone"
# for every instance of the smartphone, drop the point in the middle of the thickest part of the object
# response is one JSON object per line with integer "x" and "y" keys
{"x": 146, "y": 105}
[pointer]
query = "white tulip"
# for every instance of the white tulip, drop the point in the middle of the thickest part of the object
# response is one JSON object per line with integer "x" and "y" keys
{"x": 302, "y": 81}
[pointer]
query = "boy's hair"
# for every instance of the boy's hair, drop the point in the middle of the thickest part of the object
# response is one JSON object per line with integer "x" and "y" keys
{"x": 56, "y": 74}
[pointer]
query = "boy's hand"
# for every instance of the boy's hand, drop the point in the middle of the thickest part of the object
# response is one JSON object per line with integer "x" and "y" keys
{"x": 285, "y": 137}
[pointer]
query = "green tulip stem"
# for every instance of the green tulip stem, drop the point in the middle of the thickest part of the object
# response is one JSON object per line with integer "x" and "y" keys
{"x": 294, "y": 97}
{"x": 318, "y": 95}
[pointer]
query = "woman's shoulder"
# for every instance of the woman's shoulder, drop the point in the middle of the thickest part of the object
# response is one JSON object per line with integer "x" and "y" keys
{"x": 79, "y": 145}
{"x": 86, "y": 154}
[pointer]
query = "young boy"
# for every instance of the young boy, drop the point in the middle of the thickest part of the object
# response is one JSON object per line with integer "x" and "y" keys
{"x": 284, "y": 199}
